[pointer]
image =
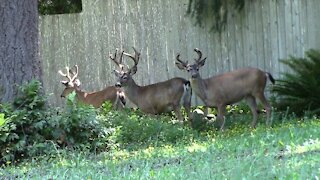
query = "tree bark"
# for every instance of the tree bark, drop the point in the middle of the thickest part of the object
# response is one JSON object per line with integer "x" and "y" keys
{"x": 19, "y": 46}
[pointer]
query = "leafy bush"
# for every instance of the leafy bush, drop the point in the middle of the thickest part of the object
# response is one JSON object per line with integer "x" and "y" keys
{"x": 28, "y": 129}
{"x": 22, "y": 123}
{"x": 78, "y": 126}
{"x": 299, "y": 89}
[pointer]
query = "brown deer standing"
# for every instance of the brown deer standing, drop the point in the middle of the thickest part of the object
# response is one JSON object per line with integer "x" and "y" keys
{"x": 228, "y": 88}
{"x": 154, "y": 98}
{"x": 111, "y": 93}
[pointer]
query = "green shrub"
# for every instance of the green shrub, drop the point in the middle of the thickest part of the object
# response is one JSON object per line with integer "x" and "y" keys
{"x": 22, "y": 124}
{"x": 299, "y": 89}
{"x": 28, "y": 128}
{"x": 78, "y": 126}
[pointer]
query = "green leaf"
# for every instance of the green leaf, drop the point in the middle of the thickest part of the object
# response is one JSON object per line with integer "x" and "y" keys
{"x": 2, "y": 120}
{"x": 71, "y": 98}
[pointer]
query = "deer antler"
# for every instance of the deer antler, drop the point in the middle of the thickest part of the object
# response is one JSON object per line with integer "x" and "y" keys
{"x": 65, "y": 75}
{"x": 114, "y": 59}
{"x": 75, "y": 75}
{"x": 135, "y": 58}
{"x": 184, "y": 63}
{"x": 200, "y": 55}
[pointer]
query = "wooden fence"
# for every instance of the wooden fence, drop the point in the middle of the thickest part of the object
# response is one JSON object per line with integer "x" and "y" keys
{"x": 264, "y": 32}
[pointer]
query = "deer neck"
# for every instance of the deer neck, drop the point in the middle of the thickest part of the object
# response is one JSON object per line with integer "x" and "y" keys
{"x": 80, "y": 95}
{"x": 199, "y": 86}
{"x": 132, "y": 91}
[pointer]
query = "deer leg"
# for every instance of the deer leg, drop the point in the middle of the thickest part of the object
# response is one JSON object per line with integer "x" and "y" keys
{"x": 220, "y": 116}
{"x": 206, "y": 111}
{"x": 177, "y": 111}
{"x": 267, "y": 107}
{"x": 115, "y": 104}
{"x": 254, "y": 109}
{"x": 206, "y": 108}
{"x": 187, "y": 107}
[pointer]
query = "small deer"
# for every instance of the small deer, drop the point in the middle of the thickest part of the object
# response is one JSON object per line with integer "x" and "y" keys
{"x": 111, "y": 93}
{"x": 154, "y": 98}
{"x": 228, "y": 88}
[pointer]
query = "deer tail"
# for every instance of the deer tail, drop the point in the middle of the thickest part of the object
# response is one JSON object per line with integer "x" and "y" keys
{"x": 187, "y": 93}
{"x": 270, "y": 77}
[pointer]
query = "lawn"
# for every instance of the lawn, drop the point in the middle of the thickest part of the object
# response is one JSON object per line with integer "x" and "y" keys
{"x": 289, "y": 150}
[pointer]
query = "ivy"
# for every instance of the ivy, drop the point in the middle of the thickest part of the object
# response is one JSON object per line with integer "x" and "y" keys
{"x": 215, "y": 11}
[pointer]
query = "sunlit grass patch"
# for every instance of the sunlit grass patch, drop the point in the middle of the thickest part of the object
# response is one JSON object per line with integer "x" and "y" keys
{"x": 309, "y": 146}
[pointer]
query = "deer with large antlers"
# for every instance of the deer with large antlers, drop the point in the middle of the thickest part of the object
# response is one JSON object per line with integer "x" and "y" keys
{"x": 111, "y": 93}
{"x": 228, "y": 88}
{"x": 154, "y": 98}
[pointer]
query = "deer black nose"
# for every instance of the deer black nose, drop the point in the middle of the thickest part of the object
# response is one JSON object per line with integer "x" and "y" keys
{"x": 118, "y": 84}
{"x": 61, "y": 96}
{"x": 194, "y": 75}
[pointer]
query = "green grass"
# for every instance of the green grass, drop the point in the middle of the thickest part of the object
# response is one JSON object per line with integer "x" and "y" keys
{"x": 289, "y": 150}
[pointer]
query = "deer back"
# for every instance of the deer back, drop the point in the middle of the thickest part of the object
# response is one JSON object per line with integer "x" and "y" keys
{"x": 159, "y": 97}
{"x": 230, "y": 87}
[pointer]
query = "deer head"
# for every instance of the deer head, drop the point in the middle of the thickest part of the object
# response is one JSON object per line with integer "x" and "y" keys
{"x": 125, "y": 75}
{"x": 194, "y": 68}
{"x": 72, "y": 83}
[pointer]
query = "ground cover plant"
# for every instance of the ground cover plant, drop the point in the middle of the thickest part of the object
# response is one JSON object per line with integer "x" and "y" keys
{"x": 288, "y": 151}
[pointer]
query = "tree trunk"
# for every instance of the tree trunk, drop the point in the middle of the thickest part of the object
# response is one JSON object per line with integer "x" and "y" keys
{"x": 19, "y": 46}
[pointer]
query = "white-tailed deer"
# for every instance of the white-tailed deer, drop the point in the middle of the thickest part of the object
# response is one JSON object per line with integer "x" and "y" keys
{"x": 154, "y": 98}
{"x": 111, "y": 93}
{"x": 228, "y": 88}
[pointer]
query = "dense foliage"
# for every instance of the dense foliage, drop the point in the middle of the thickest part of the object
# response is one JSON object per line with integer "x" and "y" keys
{"x": 22, "y": 123}
{"x": 59, "y": 6}
{"x": 28, "y": 128}
{"x": 299, "y": 89}
{"x": 213, "y": 11}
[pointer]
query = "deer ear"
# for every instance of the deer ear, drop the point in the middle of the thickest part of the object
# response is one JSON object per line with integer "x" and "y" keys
{"x": 133, "y": 70}
{"x": 64, "y": 82}
{"x": 77, "y": 82}
{"x": 116, "y": 72}
{"x": 180, "y": 66}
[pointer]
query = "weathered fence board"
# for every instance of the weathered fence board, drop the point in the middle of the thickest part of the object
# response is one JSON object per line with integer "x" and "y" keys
{"x": 263, "y": 33}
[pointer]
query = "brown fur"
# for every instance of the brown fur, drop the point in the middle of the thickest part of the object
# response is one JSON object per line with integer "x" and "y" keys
{"x": 155, "y": 98}
{"x": 228, "y": 88}
{"x": 113, "y": 94}
{"x": 96, "y": 99}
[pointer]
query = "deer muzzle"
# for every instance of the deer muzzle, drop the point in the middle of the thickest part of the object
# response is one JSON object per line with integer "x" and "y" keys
{"x": 118, "y": 84}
